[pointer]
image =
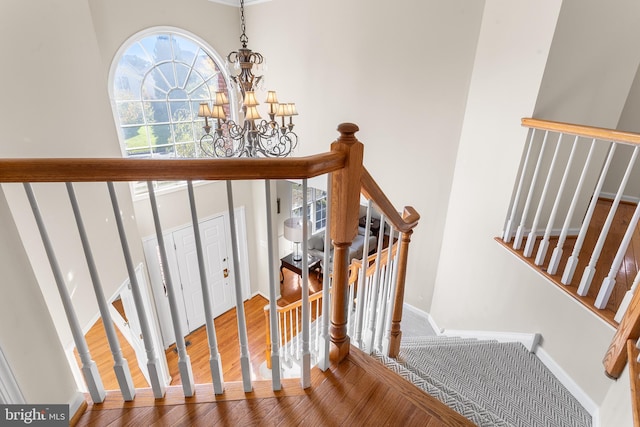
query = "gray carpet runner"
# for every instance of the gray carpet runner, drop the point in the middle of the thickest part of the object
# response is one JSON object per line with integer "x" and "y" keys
{"x": 489, "y": 383}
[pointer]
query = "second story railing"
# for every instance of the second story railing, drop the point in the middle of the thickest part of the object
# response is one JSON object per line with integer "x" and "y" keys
{"x": 347, "y": 177}
{"x": 574, "y": 217}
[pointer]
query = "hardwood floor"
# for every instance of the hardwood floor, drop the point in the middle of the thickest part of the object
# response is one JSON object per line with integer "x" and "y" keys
{"x": 628, "y": 269}
{"x": 358, "y": 392}
{"x": 228, "y": 343}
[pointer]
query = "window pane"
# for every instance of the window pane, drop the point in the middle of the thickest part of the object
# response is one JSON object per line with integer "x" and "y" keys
{"x": 158, "y": 112}
{"x": 130, "y": 113}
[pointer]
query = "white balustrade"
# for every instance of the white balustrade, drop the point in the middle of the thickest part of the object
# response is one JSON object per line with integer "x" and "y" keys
{"x": 215, "y": 363}
{"x": 89, "y": 368}
{"x": 184, "y": 362}
{"x": 276, "y": 370}
{"x": 327, "y": 268}
{"x": 386, "y": 338}
{"x": 556, "y": 256}
{"x": 305, "y": 378}
{"x": 626, "y": 300}
{"x": 508, "y": 229}
{"x": 572, "y": 262}
{"x": 589, "y": 271}
{"x": 531, "y": 239}
{"x": 245, "y": 359}
{"x": 375, "y": 285}
{"x": 153, "y": 363}
{"x": 120, "y": 367}
{"x": 609, "y": 282}
{"x": 357, "y": 330}
{"x": 544, "y": 244}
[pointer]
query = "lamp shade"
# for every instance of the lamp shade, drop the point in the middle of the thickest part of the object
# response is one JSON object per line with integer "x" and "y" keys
{"x": 252, "y": 113}
{"x": 293, "y": 229}
{"x": 221, "y": 99}
{"x": 250, "y": 99}
{"x": 271, "y": 97}
{"x": 204, "y": 110}
{"x": 218, "y": 112}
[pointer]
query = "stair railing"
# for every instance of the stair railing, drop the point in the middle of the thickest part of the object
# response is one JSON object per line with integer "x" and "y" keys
{"x": 290, "y": 326}
{"x": 567, "y": 175}
{"x": 347, "y": 176}
{"x": 112, "y": 170}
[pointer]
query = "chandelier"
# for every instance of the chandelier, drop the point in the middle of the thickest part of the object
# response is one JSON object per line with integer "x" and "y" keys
{"x": 253, "y": 136}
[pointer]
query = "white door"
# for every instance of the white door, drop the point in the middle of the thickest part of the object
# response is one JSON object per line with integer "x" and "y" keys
{"x": 218, "y": 273}
{"x": 133, "y": 331}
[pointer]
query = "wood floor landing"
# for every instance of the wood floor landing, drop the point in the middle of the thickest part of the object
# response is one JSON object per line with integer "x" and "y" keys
{"x": 358, "y": 392}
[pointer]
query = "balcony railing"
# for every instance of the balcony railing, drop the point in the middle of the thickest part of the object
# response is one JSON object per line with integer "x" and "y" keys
{"x": 574, "y": 217}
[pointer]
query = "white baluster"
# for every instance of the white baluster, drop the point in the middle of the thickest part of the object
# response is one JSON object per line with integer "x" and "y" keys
{"x": 531, "y": 239}
{"x": 357, "y": 336}
{"x": 291, "y": 335}
{"x": 245, "y": 359}
{"x": 609, "y": 282}
{"x": 370, "y": 333}
{"x": 89, "y": 368}
{"x": 215, "y": 363}
{"x": 184, "y": 361}
{"x": 305, "y": 378}
{"x": 544, "y": 244}
{"x": 386, "y": 340}
{"x": 627, "y": 299}
{"x": 273, "y": 294}
{"x": 120, "y": 367}
{"x": 508, "y": 229}
{"x": 517, "y": 243}
{"x": 552, "y": 268}
{"x": 384, "y": 300}
{"x": 590, "y": 269}
{"x": 323, "y": 361}
{"x": 155, "y": 376}
{"x": 572, "y": 262}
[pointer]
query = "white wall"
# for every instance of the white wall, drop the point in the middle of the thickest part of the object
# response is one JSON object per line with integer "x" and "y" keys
{"x": 28, "y": 333}
{"x": 616, "y": 407}
{"x": 515, "y": 40}
{"x": 55, "y": 104}
{"x": 401, "y": 71}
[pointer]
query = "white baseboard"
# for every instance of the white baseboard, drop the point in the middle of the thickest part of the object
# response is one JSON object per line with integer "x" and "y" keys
{"x": 75, "y": 403}
{"x": 569, "y": 383}
{"x": 529, "y": 340}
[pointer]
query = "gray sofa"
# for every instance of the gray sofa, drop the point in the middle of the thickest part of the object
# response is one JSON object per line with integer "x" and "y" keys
{"x": 316, "y": 245}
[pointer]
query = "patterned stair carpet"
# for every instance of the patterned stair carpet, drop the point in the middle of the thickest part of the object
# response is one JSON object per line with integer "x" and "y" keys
{"x": 489, "y": 383}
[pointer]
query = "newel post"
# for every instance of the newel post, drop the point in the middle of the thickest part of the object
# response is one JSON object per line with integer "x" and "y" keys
{"x": 396, "y": 333}
{"x": 345, "y": 209}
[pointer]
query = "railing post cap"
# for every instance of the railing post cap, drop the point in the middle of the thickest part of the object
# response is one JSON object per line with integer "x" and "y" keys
{"x": 347, "y": 131}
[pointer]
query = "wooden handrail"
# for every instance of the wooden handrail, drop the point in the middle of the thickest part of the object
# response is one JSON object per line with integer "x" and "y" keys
{"x": 372, "y": 191}
{"x": 581, "y": 130}
{"x": 634, "y": 377}
{"x": 629, "y": 328}
{"x": 115, "y": 169}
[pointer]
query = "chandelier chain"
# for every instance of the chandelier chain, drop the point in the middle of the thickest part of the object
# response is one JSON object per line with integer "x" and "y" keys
{"x": 243, "y": 37}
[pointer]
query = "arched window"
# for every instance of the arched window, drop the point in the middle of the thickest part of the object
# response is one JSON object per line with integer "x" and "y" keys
{"x": 158, "y": 80}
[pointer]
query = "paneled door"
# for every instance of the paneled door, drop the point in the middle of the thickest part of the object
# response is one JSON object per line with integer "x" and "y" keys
{"x": 219, "y": 275}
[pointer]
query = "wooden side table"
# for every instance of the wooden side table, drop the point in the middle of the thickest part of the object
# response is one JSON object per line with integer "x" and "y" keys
{"x": 296, "y": 266}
